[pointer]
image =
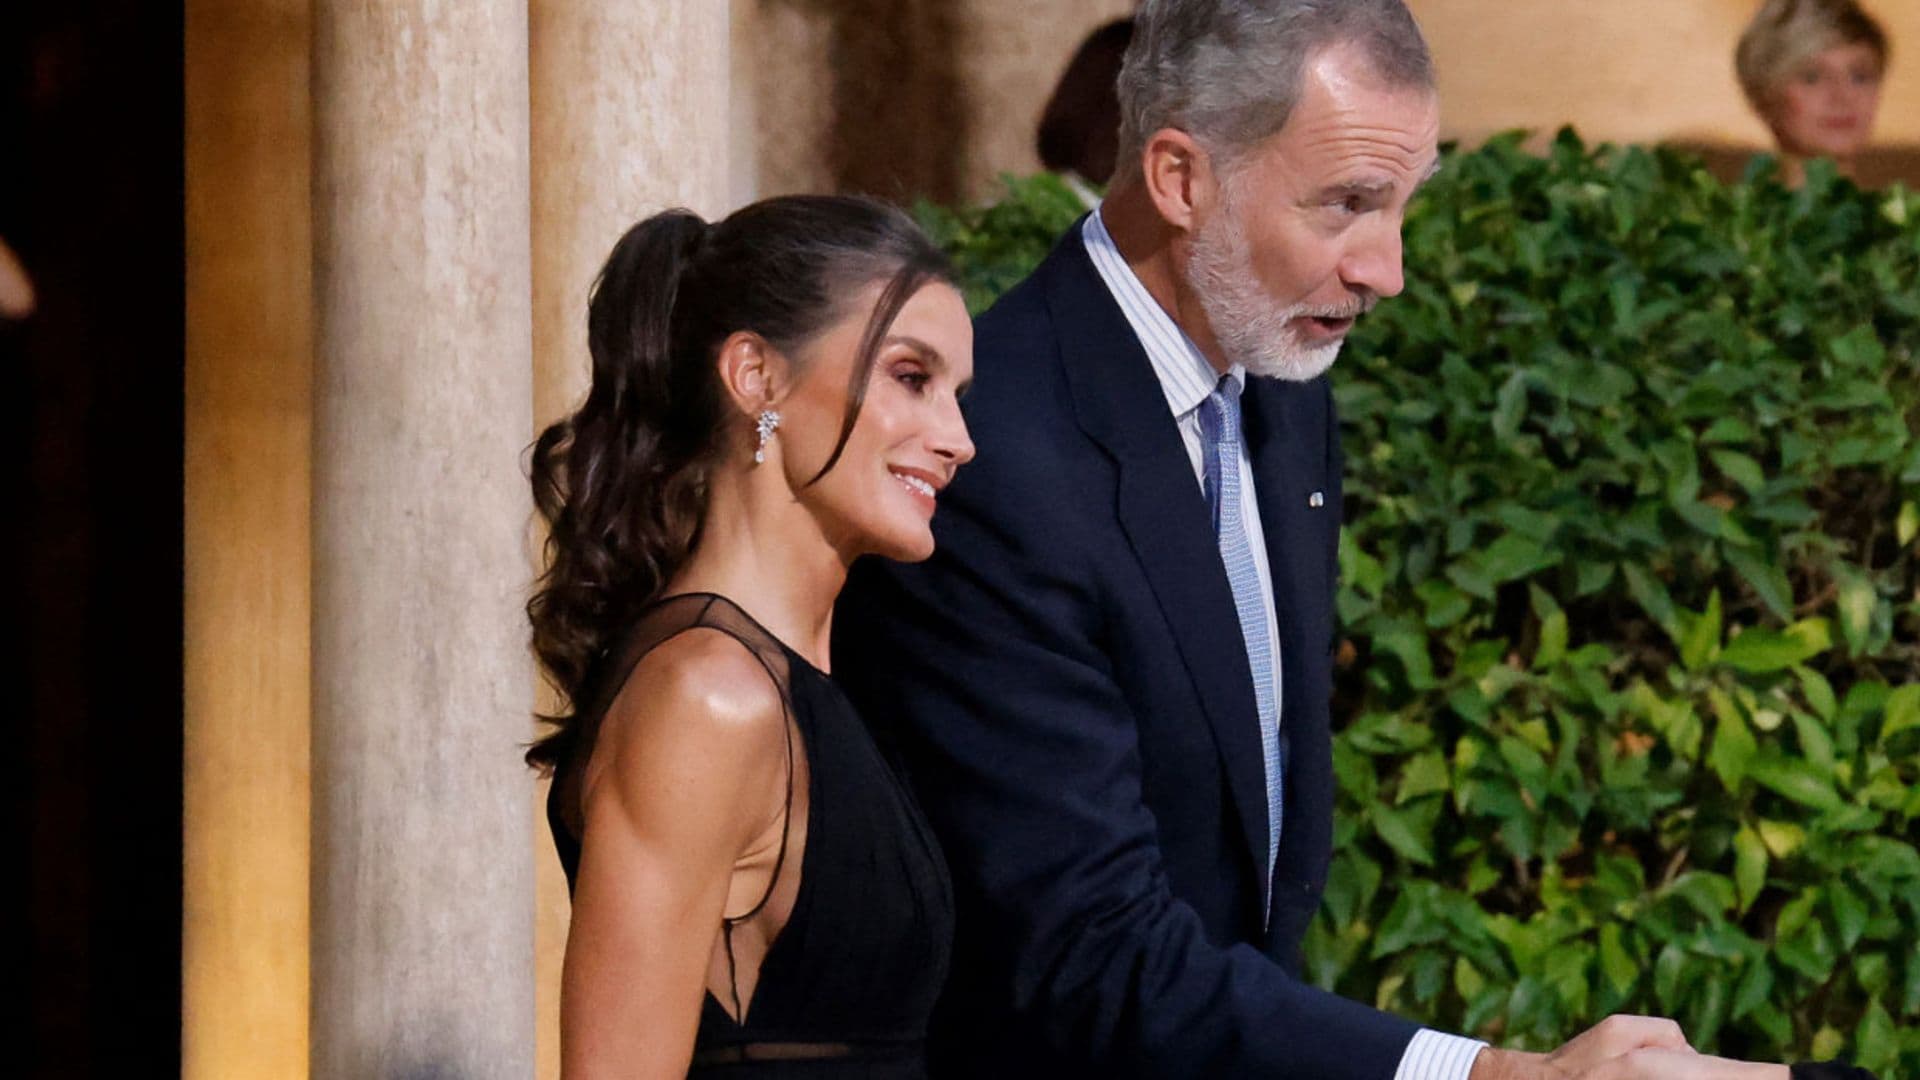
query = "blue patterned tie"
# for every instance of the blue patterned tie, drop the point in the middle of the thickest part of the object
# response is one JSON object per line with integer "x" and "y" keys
{"x": 1220, "y": 459}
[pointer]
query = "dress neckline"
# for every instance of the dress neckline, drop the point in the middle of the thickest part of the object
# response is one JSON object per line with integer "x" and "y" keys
{"x": 790, "y": 652}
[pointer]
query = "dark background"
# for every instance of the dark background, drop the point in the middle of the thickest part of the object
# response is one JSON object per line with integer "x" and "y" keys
{"x": 91, "y": 199}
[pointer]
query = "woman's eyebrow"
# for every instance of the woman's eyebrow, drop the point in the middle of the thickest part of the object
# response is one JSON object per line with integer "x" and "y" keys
{"x": 927, "y": 352}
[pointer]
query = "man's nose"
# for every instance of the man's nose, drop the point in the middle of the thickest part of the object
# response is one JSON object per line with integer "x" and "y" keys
{"x": 1374, "y": 262}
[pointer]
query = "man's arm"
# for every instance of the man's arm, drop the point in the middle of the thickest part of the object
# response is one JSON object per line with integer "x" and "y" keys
{"x": 1026, "y": 754}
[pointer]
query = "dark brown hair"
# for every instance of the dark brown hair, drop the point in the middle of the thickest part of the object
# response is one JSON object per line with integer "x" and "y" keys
{"x": 1080, "y": 127}
{"x": 622, "y": 483}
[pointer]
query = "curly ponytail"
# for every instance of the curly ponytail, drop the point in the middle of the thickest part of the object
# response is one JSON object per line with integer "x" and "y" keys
{"x": 619, "y": 483}
{"x": 622, "y": 483}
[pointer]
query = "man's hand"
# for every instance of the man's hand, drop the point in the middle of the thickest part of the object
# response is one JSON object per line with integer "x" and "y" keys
{"x": 1621, "y": 1048}
{"x": 1585, "y": 1053}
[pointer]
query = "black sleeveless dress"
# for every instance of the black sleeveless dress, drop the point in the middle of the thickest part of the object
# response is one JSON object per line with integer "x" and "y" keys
{"x": 846, "y": 988}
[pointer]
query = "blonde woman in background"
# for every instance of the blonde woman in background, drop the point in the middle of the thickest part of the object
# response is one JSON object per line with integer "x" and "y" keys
{"x": 1812, "y": 70}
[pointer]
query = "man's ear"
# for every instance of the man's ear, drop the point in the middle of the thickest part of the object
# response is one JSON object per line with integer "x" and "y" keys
{"x": 752, "y": 372}
{"x": 1179, "y": 177}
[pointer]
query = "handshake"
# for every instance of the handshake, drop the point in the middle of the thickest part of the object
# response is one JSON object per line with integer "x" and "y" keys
{"x": 1633, "y": 1047}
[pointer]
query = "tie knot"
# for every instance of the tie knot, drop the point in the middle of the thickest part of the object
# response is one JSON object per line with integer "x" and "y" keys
{"x": 1220, "y": 412}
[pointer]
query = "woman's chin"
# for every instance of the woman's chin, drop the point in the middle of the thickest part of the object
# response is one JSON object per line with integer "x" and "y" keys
{"x": 903, "y": 547}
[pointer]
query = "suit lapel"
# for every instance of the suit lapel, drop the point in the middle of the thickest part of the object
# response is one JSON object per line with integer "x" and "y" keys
{"x": 1277, "y": 448}
{"x": 1286, "y": 442}
{"x": 1165, "y": 518}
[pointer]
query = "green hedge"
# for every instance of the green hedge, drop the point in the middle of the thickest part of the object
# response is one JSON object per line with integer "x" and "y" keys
{"x": 1630, "y": 683}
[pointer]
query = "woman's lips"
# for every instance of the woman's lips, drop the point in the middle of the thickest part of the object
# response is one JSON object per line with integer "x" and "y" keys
{"x": 919, "y": 484}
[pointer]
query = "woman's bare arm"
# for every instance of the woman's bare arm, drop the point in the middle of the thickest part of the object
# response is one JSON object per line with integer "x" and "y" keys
{"x": 688, "y": 775}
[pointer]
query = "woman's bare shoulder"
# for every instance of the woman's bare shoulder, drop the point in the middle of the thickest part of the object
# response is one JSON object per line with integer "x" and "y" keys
{"x": 701, "y": 700}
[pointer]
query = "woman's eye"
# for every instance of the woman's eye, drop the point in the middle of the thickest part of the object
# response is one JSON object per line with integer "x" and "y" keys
{"x": 912, "y": 379}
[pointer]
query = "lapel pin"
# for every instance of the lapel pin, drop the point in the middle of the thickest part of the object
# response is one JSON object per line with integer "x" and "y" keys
{"x": 1317, "y": 500}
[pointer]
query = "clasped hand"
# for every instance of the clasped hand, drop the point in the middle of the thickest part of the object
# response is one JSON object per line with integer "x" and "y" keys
{"x": 1621, "y": 1048}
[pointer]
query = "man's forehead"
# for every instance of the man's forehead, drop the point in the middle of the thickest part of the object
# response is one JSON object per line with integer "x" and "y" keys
{"x": 1401, "y": 120}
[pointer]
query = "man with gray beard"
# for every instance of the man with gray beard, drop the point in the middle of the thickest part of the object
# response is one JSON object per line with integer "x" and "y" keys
{"x": 1110, "y": 683}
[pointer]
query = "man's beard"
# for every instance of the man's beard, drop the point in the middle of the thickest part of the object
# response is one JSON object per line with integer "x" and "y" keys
{"x": 1251, "y": 331}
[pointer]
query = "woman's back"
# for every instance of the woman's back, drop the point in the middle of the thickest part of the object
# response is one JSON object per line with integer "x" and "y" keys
{"x": 846, "y": 981}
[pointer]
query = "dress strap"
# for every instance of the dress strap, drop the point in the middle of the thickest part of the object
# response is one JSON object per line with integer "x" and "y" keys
{"x": 728, "y": 922}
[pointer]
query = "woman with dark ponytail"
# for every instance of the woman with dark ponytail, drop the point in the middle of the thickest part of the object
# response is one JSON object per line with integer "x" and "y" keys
{"x": 773, "y": 396}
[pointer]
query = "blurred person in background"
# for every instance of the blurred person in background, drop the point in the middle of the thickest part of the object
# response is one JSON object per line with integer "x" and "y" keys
{"x": 1812, "y": 70}
{"x": 1079, "y": 134}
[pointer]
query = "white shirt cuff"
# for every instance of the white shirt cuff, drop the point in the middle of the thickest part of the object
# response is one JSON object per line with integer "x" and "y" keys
{"x": 1433, "y": 1055}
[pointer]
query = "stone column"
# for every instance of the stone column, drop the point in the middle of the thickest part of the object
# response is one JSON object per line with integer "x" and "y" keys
{"x": 630, "y": 116}
{"x": 422, "y": 951}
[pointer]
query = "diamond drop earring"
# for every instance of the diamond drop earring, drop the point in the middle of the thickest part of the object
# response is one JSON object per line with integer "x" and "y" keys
{"x": 764, "y": 425}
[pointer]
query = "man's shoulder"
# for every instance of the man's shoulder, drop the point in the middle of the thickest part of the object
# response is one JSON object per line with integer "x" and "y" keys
{"x": 1019, "y": 345}
{"x": 1025, "y": 316}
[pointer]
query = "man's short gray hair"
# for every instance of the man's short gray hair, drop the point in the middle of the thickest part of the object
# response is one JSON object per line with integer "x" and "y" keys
{"x": 1228, "y": 72}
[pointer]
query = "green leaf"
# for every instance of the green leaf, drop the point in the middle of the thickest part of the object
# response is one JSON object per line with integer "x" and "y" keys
{"x": 1510, "y": 406}
{"x": 1526, "y": 765}
{"x": 1352, "y": 882}
{"x": 1445, "y": 605}
{"x": 1768, "y": 582}
{"x": 1849, "y": 910}
{"x": 1855, "y": 602}
{"x": 1859, "y": 348}
{"x": 1359, "y": 569}
{"x": 1591, "y": 577}
{"x": 1412, "y": 921}
{"x": 1701, "y": 641}
{"x": 1758, "y": 652}
{"x": 1424, "y": 774}
{"x": 1652, "y": 597}
{"x": 1740, "y": 469}
{"x": 1876, "y": 1043}
{"x": 1615, "y": 962}
{"x": 1818, "y": 692}
{"x": 1397, "y": 829}
{"x": 1406, "y": 642}
{"x": 1782, "y": 838}
{"x": 1734, "y": 748}
{"x": 1816, "y": 744}
{"x": 1788, "y": 779}
{"x": 1668, "y": 970}
{"x": 1728, "y": 429}
{"x": 1707, "y": 893}
{"x": 1553, "y": 628}
{"x": 1901, "y": 712}
{"x": 1907, "y": 524}
{"x": 1467, "y": 980}
{"x": 1756, "y": 983}
{"x": 1515, "y": 556}
{"x": 1749, "y": 865}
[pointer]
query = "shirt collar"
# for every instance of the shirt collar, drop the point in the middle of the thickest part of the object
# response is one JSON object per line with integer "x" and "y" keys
{"x": 1186, "y": 377}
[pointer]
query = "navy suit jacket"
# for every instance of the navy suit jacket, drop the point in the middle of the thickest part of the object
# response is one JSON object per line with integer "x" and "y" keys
{"x": 1067, "y": 687}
